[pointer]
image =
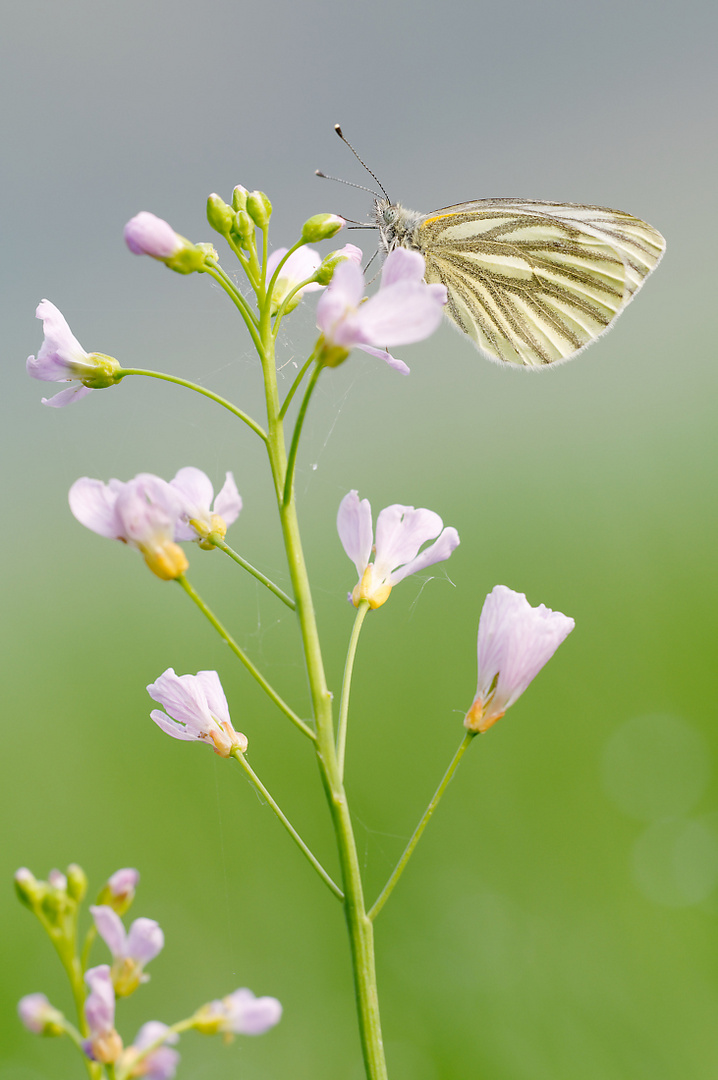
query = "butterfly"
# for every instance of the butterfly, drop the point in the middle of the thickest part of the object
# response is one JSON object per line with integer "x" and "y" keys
{"x": 531, "y": 283}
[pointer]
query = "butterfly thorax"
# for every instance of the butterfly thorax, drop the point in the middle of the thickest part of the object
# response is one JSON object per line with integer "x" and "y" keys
{"x": 397, "y": 225}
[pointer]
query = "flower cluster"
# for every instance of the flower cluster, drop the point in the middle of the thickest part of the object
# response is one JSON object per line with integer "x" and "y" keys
{"x": 151, "y": 1054}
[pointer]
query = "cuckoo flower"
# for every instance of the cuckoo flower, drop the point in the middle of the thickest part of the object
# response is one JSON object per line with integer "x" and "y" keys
{"x": 198, "y": 518}
{"x": 404, "y": 310}
{"x": 240, "y": 1013}
{"x": 515, "y": 641}
{"x": 196, "y": 709}
{"x": 39, "y": 1016}
{"x": 62, "y": 359}
{"x": 104, "y": 1044}
{"x": 130, "y": 952}
{"x": 142, "y": 513}
{"x": 161, "y": 1063}
{"x": 400, "y": 533}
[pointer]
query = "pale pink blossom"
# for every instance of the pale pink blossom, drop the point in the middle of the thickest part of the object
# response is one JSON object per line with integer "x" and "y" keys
{"x": 39, "y": 1016}
{"x": 143, "y": 513}
{"x": 196, "y": 710}
{"x": 404, "y": 310}
{"x": 104, "y": 1044}
{"x": 130, "y": 951}
{"x": 122, "y": 883}
{"x": 400, "y": 533}
{"x": 161, "y": 1063}
{"x": 301, "y": 264}
{"x": 61, "y": 358}
{"x": 241, "y": 1013}
{"x": 515, "y": 641}
{"x": 199, "y": 517}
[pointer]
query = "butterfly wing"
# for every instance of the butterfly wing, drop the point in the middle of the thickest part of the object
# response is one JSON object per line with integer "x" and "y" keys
{"x": 533, "y": 283}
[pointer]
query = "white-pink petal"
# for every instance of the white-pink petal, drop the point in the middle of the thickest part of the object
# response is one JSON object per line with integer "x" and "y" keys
{"x": 354, "y": 526}
{"x": 110, "y": 928}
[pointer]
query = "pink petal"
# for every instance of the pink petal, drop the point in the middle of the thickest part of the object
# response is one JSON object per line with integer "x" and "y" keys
{"x": 399, "y": 314}
{"x": 110, "y": 928}
{"x": 436, "y": 552}
{"x": 67, "y": 397}
{"x": 400, "y": 532}
{"x": 93, "y": 504}
{"x": 355, "y": 530}
{"x": 147, "y": 234}
{"x": 402, "y": 265}
{"x": 144, "y": 941}
{"x": 214, "y": 694}
{"x": 228, "y": 502}
{"x": 392, "y": 361}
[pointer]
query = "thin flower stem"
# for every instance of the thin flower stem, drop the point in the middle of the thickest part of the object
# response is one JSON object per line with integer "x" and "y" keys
{"x": 241, "y": 759}
{"x": 111, "y": 1074}
{"x": 400, "y": 866}
{"x": 241, "y": 655}
{"x": 198, "y": 390}
{"x": 215, "y": 271}
{"x": 216, "y": 540}
{"x": 293, "y": 449}
{"x": 347, "y": 683}
{"x": 296, "y": 384}
{"x": 87, "y": 947}
{"x": 360, "y": 928}
{"x": 275, "y": 278}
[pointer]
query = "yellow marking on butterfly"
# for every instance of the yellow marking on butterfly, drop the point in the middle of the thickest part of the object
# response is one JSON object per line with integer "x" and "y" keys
{"x": 440, "y": 217}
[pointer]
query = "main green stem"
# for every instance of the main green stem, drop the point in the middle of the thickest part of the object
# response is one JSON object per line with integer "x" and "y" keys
{"x": 361, "y": 931}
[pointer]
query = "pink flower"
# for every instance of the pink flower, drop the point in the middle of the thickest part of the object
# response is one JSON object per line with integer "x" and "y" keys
{"x": 400, "y": 532}
{"x": 147, "y": 234}
{"x": 198, "y": 519}
{"x": 515, "y": 641}
{"x": 196, "y": 710}
{"x": 241, "y": 1013}
{"x": 161, "y": 1063}
{"x": 39, "y": 1016}
{"x": 130, "y": 951}
{"x": 143, "y": 513}
{"x": 104, "y": 1044}
{"x": 404, "y": 310}
{"x": 62, "y": 359}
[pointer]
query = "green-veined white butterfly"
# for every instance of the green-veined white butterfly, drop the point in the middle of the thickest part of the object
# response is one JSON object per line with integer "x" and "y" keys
{"x": 531, "y": 283}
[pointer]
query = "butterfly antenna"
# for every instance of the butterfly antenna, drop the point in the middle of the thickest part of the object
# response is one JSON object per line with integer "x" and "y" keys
{"x": 340, "y": 133}
{"x": 318, "y": 172}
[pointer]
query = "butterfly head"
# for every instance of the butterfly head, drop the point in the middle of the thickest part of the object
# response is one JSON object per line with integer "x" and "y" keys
{"x": 396, "y": 224}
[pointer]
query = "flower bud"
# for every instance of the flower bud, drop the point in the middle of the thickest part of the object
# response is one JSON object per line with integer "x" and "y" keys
{"x": 29, "y": 891}
{"x": 243, "y": 229}
{"x": 119, "y": 891}
{"x": 259, "y": 208}
{"x": 219, "y": 214}
{"x": 146, "y": 234}
{"x": 239, "y": 198}
{"x": 76, "y": 882}
{"x": 321, "y": 227}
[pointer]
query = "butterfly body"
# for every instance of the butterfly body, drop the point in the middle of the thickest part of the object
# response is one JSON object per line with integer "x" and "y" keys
{"x": 531, "y": 283}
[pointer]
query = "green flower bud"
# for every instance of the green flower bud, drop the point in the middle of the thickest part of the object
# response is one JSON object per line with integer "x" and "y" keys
{"x": 29, "y": 891}
{"x": 76, "y": 882}
{"x": 259, "y": 208}
{"x": 243, "y": 229}
{"x": 191, "y": 259}
{"x": 239, "y": 198}
{"x": 219, "y": 215}
{"x": 321, "y": 227}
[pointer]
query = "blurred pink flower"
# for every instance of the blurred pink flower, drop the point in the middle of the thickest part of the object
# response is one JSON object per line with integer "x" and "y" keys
{"x": 196, "y": 710}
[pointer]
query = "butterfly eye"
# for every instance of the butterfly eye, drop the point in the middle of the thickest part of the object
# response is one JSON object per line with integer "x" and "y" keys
{"x": 389, "y": 215}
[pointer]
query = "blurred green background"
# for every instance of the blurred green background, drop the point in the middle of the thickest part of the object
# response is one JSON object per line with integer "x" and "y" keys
{"x": 559, "y": 918}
